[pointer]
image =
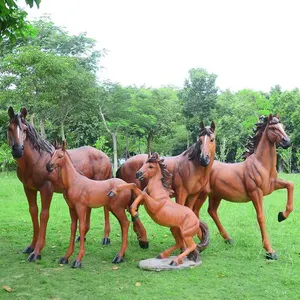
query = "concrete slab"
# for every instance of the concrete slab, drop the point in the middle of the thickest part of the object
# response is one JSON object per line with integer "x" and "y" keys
{"x": 155, "y": 264}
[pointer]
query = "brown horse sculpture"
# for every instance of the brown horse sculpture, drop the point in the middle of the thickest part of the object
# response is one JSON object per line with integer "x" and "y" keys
{"x": 191, "y": 170}
{"x": 82, "y": 194}
{"x": 252, "y": 179}
{"x": 32, "y": 153}
{"x": 182, "y": 221}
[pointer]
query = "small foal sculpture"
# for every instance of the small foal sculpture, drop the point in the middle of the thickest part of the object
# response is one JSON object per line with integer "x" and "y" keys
{"x": 82, "y": 193}
{"x": 182, "y": 221}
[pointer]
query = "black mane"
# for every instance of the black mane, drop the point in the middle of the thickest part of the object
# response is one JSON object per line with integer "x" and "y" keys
{"x": 34, "y": 137}
{"x": 254, "y": 140}
{"x": 166, "y": 179}
{"x": 194, "y": 151}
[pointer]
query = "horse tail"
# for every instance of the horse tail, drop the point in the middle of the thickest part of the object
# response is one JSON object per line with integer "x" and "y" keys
{"x": 205, "y": 237}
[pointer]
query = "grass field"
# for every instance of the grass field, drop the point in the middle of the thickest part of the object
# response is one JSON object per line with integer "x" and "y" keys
{"x": 239, "y": 271}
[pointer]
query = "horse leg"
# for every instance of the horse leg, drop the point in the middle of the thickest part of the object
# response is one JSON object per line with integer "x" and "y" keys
{"x": 65, "y": 259}
{"x": 257, "y": 198}
{"x": 121, "y": 187}
{"x": 33, "y": 210}
{"x": 81, "y": 213}
{"x": 137, "y": 224}
{"x": 191, "y": 246}
{"x": 179, "y": 243}
{"x": 213, "y": 205}
{"x": 120, "y": 214}
{"x": 106, "y": 239}
{"x": 283, "y": 184}
{"x": 87, "y": 223}
{"x": 46, "y": 197}
{"x": 196, "y": 209}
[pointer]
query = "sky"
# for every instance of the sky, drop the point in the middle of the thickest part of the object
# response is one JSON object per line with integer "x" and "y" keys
{"x": 248, "y": 43}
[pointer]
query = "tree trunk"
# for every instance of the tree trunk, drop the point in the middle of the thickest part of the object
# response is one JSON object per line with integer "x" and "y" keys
{"x": 62, "y": 127}
{"x": 126, "y": 150}
{"x": 42, "y": 129}
{"x": 149, "y": 137}
{"x": 31, "y": 119}
{"x": 115, "y": 149}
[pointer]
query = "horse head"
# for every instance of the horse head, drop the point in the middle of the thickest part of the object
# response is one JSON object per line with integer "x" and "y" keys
{"x": 149, "y": 168}
{"x": 276, "y": 133}
{"x": 16, "y": 131}
{"x": 58, "y": 157}
{"x": 206, "y": 144}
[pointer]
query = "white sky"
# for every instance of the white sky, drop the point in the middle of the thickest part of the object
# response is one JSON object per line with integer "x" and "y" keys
{"x": 248, "y": 44}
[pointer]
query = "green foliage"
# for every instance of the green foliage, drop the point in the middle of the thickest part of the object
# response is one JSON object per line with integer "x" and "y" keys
{"x": 13, "y": 21}
{"x": 102, "y": 144}
{"x": 6, "y": 160}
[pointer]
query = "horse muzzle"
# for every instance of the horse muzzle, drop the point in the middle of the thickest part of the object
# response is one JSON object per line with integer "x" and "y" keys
{"x": 139, "y": 175}
{"x": 204, "y": 161}
{"x": 17, "y": 151}
{"x": 285, "y": 143}
{"x": 50, "y": 167}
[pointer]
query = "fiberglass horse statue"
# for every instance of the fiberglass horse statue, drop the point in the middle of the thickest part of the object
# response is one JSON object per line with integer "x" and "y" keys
{"x": 252, "y": 179}
{"x": 32, "y": 153}
{"x": 182, "y": 221}
{"x": 191, "y": 170}
{"x": 81, "y": 194}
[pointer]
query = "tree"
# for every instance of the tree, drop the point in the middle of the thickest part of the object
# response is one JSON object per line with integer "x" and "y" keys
{"x": 13, "y": 21}
{"x": 199, "y": 97}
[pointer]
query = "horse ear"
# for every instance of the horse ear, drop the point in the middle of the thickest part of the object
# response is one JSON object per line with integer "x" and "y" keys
{"x": 202, "y": 125}
{"x": 156, "y": 155}
{"x": 149, "y": 155}
{"x": 11, "y": 113}
{"x": 64, "y": 145}
{"x": 278, "y": 116}
{"x": 23, "y": 112}
{"x": 55, "y": 144}
{"x": 213, "y": 126}
{"x": 270, "y": 117}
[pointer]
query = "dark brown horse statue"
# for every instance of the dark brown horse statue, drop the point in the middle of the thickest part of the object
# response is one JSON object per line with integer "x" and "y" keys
{"x": 182, "y": 221}
{"x": 252, "y": 179}
{"x": 82, "y": 194}
{"x": 32, "y": 153}
{"x": 191, "y": 170}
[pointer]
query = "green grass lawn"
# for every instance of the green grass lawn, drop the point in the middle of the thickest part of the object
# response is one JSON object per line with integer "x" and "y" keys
{"x": 239, "y": 271}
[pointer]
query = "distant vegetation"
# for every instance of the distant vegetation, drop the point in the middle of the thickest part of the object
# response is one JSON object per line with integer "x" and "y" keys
{"x": 53, "y": 74}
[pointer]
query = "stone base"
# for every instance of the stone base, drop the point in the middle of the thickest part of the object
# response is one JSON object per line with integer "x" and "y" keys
{"x": 155, "y": 264}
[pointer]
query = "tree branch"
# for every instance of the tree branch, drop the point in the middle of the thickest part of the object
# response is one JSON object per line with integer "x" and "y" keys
{"x": 104, "y": 121}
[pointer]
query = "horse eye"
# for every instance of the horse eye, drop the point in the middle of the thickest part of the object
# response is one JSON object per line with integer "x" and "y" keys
{"x": 151, "y": 167}
{"x": 60, "y": 156}
{"x": 212, "y": 139}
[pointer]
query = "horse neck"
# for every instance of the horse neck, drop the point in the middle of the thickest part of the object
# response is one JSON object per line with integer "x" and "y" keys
{"x": 155, "y": 185}
{"x": 30, "y": 156}
{"x": 68, "y": 173}
{"x": 266, "y": 152}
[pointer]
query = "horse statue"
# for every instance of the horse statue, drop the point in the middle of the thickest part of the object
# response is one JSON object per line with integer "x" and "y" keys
{"x": 191, "y": 170}
{"x": 82, "y": 194}
{"x": 251, "y": 179}
{"x": 32, "y": 153}
{"x": 182, "y": 221}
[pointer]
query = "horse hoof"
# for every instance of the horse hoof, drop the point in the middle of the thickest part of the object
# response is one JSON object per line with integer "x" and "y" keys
{"x": 76, "y": 264}
{"x": 173, "y": 263}
{"x": 32, "y": 257}
{"x": 229, "y": 242}
{"x": 63, "y": 261}
{"x": 144, "y": 244}
{"x": 281, "y": 217}
{"x": 28, "y": 250}
{"x": 105, "y": 241}
{"x": 78, "y": 239}
{"x": 118, "y": 259}
{"x": 111, "y": 194}
{"x": 271, "y": 256}
{"x": 159, "y": 256}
